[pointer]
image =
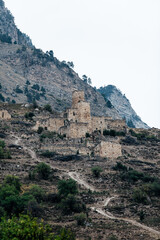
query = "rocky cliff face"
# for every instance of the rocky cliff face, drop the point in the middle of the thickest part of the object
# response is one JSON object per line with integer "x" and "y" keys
{"x": 122, "y": 105}
{"x": 8, "y": 27}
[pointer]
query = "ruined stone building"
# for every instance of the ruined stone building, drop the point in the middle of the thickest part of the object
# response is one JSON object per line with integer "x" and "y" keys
{"x": 77, "y": 121}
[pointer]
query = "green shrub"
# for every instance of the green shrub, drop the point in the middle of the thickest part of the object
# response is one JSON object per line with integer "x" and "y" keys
{"x": 66, "y": 187}
{"x": 48, "y": 108}
{"x": 87, "y": 135}
{"x": 31, "y": 174}
{"x": 2, "y": 144}
{"x": 11, "y": 200}
{"x": 120, "y": 167}
{"x": 81, "y": 219}
{"x": 5, "y": 38}
{"x": 113, "y": 237}
{"x": 113, "y": 133}
{"x": 43, "y": 170}
{"x": 65, "y": 235}
{"x": 40, "y": 130}
{"x": 48, "y": 154}
{"x": 34, "y": 209}
{"x": 96, "y": 171}
{"x": 28, "y": 82}
{"x": 141, "y": 216}
{"x": 71, "y": 204}
{"x": 2, "y": 98}
{"x": 29, "y": 115}
{"x": 143, "y": 136}
{"x": 13, "y": 101}
{"x": 152, "y": 188}
{"x": 13, "y": 181}
{"x": 36, "y": 87}
{"x": 18, "y": 90}
{"x": 47, "y": 134}
{"x": 4, "y": 153}
{"x": 133, "y": 176}
{"x": 24, "y": 227}
{"x": 2, "y": 212}
{"x": 139, "y": 196}
{"x": 37, "y": 192}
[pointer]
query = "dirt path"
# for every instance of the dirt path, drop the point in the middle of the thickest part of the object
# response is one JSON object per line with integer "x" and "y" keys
{"x": 18, "y": 141}
{"x": 79, "y": 179}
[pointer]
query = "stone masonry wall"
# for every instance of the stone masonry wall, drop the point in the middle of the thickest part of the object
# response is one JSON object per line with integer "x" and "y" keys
{"x": 108, "y": 149}
{"x": 97, "y": 123}
{"x": 118, "y": 125}
{"x": 84, "y": 112}
{"x": 52, "y": 124}
{"x": 72, "y": 114}
{"x": 77, "y": 130}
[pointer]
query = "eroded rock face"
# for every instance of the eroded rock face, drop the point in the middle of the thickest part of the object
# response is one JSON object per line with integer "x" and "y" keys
{"x": 123, "y": 106}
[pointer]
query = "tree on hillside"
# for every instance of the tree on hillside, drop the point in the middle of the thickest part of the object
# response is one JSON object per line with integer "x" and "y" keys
{"x": 86, "y": 79}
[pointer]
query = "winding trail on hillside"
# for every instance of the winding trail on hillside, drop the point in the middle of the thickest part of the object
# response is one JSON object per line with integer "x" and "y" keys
{"x": 18, "y": 141}
{"x": 79, "y": 179}
{"x": 75, "y": 176}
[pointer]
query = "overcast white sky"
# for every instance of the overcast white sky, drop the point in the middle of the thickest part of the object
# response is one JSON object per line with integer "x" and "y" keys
{"x": 111, "y": 41}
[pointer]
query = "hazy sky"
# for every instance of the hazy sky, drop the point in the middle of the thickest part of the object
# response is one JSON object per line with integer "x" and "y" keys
{"x": 111, "y": 41}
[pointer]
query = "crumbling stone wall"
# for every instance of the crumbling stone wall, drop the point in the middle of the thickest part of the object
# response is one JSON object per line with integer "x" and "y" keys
{"x": 118, "y": 124}
{"x": 74, "y": 130}
{"x": 77, "y": 96}
{"x": 71, "y": 114}
{"x": 52, "y": 124}
{"x": 98, "y": 123}
{"x": 4, "y": 115}
{"x": 108, "y": 149}
{"x": 84, "y": 112}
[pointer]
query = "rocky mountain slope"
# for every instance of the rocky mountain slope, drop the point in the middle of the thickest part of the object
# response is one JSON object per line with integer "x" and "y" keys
{"x": 28, "y": 74}
{"x": 122, "y": 105}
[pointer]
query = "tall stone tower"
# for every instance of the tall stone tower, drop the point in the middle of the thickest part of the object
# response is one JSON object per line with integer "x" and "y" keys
{"x": 82, "y": 108}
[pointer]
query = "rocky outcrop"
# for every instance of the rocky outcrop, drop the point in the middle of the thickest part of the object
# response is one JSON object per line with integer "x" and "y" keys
{"x": 122, "y": 105}
{"x": 8, "y": 27}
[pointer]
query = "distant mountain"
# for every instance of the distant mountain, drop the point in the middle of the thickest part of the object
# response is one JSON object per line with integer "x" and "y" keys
{"x": 119, "y": 101}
